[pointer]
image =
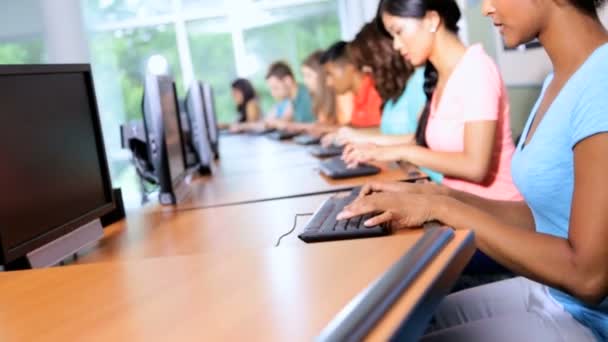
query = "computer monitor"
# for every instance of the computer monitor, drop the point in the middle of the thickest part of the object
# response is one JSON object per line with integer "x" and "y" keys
{"x": 54, "y": 173}
{"x": 199, "y": 130}
{"x": 164, "y": 137}
{"x": 189, "y": 148}
{"x": 211, "y": 115}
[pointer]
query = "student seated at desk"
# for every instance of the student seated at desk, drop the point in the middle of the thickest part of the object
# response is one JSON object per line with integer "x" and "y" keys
{"x": 247, "y": 105}
{"x": 293, "y": 100}
{"x": 344, "y": 77}
{"x": 324, "y": 101}
{"x": 399, "y": 85}
{"x": 464, "y": 130}
{"x": 556, "y": 239}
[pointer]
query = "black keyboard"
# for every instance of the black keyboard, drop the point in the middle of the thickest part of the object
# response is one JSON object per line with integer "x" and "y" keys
{"x": 261, "y": 131}
{"x": 336, "y": 168}
{"x": 323, "y": 226}
{"x": 282, "y": 135}
{"x": 306, "y": 139}
{"x": 326, "y": 152}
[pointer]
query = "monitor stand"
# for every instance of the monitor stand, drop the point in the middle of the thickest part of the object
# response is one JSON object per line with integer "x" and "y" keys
{"x": 56, "y": 251}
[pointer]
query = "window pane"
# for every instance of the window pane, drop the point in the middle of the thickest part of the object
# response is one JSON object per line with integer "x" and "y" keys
{"x": 293, "y": 34}
{"x": 213, "y": 61}
{"x": 22, "y": 52}
{"x": 104, "y": 11}
{"x": 119, "y": 60}
{"x": 21, "y": 32}
{"x": 213, "y": 6}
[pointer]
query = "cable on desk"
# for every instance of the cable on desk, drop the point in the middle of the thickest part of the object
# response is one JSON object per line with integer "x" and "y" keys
{"x": 295, "y": 223}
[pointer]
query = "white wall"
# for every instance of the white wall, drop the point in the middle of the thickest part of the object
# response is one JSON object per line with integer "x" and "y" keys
{"x": 354, "y": 14}
{"x": 604, "y": 15}
{"x": 64, "y": 34}
{"x": 57, "y": 23}
{"x": 20, "y": 19}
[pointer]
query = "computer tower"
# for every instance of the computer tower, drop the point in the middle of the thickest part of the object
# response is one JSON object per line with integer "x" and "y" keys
{"x": 211, "y": 115}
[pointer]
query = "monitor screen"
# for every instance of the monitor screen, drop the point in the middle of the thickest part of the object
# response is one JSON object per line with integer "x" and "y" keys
{"x": 52, "y": 167}
{"x": 173, "y": 137}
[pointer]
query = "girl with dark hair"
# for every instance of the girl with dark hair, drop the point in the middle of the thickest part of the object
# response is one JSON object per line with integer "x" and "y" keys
{"x": 464, "y": 130}
{"x": 399, "y": 86}
{"x": 556, "y": 239}
{"x": 245, "y": 98}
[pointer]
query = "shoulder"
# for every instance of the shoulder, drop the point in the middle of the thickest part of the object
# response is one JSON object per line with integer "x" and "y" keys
{"x": 478, "y": 70}
{"x": 252, "y": 104}
{"x": 590, "y": 91}
{"x": 302, "y": 92}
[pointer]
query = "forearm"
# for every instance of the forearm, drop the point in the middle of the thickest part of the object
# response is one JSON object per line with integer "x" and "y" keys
{"x": 547, "y": 259}
{"x": 452, "y": 164}
{"x": 513, "y": 213}
{"x": 390, "y": 140}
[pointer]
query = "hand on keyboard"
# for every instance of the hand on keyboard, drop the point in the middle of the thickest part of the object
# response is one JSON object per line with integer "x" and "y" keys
{"x": 400, "y": 210}
{"x": 323, "y": 226}
{"x": 364, "y": 153}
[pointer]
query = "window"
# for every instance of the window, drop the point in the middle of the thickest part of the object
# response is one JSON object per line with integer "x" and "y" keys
{"x": 213, "y": 61}
{"x": 291, "y": 35}
{"x": 21, "y": 37}
{"x": 22, "y": 51}
{"x": 107, "y": 11}
{"x": 208, "y": 40}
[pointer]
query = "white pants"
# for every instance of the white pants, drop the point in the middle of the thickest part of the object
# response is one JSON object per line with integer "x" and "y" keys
{"x": 516, "y": 309}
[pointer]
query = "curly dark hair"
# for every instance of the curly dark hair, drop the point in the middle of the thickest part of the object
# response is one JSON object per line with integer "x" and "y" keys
{"x": 372, "y": 49}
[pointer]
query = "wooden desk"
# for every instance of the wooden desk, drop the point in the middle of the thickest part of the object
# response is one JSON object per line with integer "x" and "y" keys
{"x": 243, "y": 145}
{"x": 264, "y": 160}
{"x": 282, "y": 294}
{"x": 306, "y": 180}
{"x": 221, "y": 230}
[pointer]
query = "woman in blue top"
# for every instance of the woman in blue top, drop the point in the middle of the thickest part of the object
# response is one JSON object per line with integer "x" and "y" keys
{"x": 557, "y": 238}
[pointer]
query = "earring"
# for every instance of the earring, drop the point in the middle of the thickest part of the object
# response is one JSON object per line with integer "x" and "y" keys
{"x": 433, "y": 29}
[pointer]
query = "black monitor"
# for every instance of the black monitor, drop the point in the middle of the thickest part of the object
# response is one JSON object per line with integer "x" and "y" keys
{"x": 53, "y": 168}
{"x": 199, "y": 132}
{"x": 211, "y": 116}
{"x": 164, "y": 137}
{"x": 189, "y": 148}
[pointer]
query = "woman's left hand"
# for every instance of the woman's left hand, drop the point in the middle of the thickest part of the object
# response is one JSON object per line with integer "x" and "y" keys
{"x": 360, "y": 153}
{"x": 400, "y": 210}
{"x": 364, "y": 153}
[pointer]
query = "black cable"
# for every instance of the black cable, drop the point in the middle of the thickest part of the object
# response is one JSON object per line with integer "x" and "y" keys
{"x": 295, "y": 222}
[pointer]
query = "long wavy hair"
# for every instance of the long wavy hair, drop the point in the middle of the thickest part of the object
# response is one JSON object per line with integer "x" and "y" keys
{"x": 450, "y": 14}
{"x": 371, "y": 49}
{"x": 324, "y": 98}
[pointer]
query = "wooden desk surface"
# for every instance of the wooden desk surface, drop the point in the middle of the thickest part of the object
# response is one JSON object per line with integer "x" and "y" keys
{"x": 243, "y": 145}
{"x": 306, "y": 180}
{"x": 264, "y": 160}
{"x": 278, "y": 294}
{"x": 214, "y": 230}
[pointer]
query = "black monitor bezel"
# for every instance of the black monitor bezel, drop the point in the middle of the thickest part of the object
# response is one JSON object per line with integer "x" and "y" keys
{"x": 154, "y": 125}
{"x": 195, "y": 93}
{"x": 210, "y": 116}
{"x": 9, "y": 255}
